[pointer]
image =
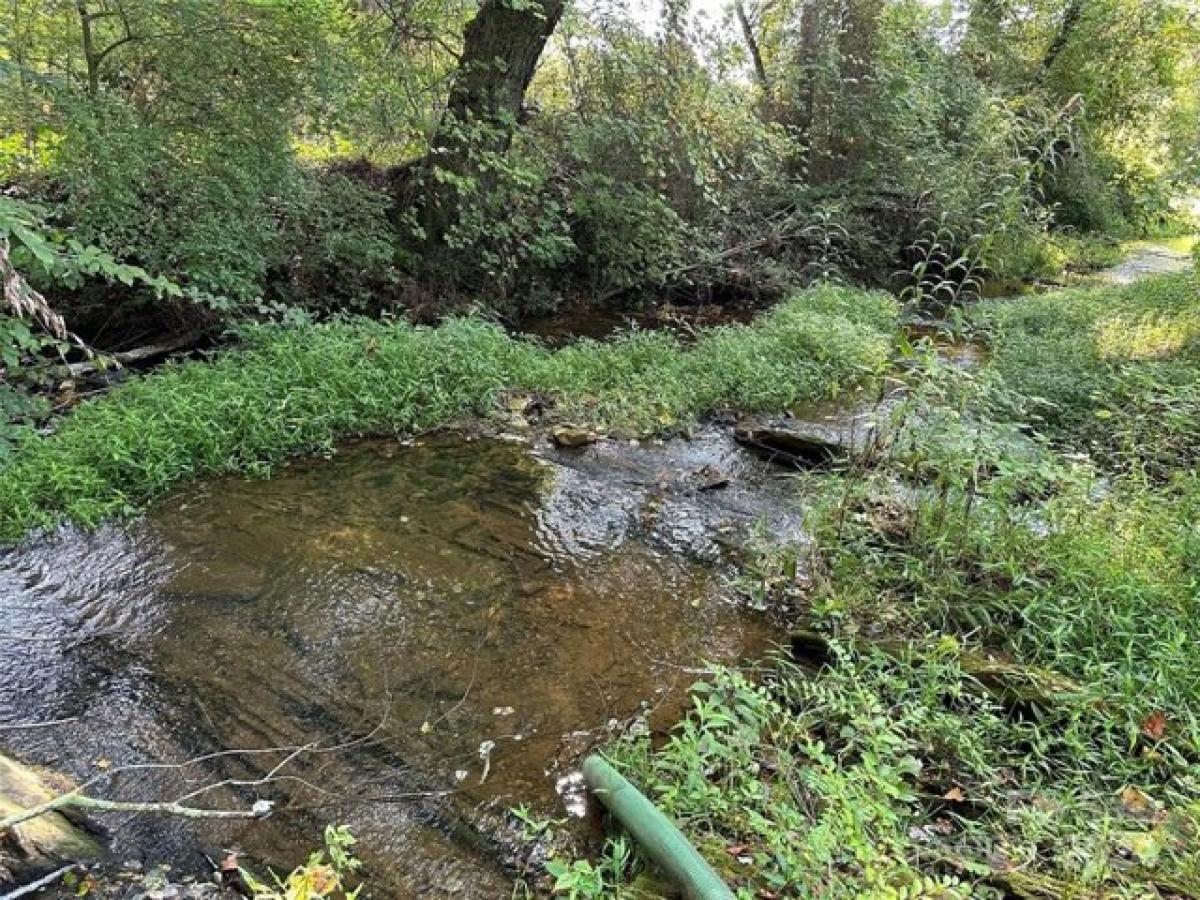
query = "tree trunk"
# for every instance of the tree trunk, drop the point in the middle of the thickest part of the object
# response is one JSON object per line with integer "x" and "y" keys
{"x": 760, "y": 69}
{"x": 501, "y": 48}
{"x": 90, "y": 56}
{"x": 1070, "y": 21}
{"x": 809, "y": 53}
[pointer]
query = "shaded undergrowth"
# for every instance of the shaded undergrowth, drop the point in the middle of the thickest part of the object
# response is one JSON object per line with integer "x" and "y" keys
{"x": 291, "y": 390}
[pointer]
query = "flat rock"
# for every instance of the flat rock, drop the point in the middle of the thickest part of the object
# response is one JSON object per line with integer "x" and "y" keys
{"x": 572, "y": 436}
{"x": 804, "y": 442}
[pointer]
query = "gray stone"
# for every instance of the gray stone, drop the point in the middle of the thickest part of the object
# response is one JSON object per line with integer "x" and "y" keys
{"x": 810, "y": 441}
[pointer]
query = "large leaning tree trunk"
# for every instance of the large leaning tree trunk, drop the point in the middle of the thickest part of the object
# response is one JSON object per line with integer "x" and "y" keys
{"x": 501, "y": 48}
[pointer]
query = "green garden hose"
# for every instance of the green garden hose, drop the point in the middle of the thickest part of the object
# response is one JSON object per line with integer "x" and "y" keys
{"x": 660, "y": 840}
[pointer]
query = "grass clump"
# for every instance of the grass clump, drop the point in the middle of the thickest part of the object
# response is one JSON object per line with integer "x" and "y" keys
{"x": 1114, "y": 371}
{"x": 292, "y": 390}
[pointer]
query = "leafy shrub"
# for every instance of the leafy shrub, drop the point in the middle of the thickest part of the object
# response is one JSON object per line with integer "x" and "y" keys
{"x": 194, "y": 206}
{"x": 628, "y": 236}
{"x": 20, "y": 408}
{"x": 337, "y": 247}
{"x": 1085, "y": 198}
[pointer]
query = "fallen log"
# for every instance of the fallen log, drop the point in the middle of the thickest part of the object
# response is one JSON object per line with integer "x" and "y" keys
{"x": 105, "y": 361}
{"x": 29, "y": 848}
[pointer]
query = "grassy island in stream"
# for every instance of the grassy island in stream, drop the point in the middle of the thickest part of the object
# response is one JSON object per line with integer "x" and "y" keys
{"x": 291, "y": 390}
{"x": 997, "y": 694}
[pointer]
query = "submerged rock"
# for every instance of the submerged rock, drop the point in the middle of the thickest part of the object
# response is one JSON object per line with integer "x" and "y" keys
{"x": 45, "y": 843}
{"x": 702, "y": 499}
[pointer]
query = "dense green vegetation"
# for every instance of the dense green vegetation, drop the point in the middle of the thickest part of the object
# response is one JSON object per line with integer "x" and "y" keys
{"x": 296, "y": 389}
{"x": 1115, "y": 372}
{"x": 1006, "y": 705}
{"x": 339, "y": 206}
{"x": 273, "y": 155}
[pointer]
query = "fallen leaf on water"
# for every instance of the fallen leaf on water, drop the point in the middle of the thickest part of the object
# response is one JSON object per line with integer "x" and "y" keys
{"x": 103, "y": 764}
{"x": 1155, "y": 725}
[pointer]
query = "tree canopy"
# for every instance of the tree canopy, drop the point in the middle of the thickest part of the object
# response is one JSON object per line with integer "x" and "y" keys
{"x": 278, "y": 151}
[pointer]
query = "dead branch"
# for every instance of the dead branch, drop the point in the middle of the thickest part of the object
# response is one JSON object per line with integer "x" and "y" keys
{"x": 131, "y": 357}
{"x": 78, "y": 799}
{"x": 34, "y": 886}
{"x": 95, "y": 804}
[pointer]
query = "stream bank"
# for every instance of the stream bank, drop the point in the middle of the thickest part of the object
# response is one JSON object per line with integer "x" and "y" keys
{"x": 452, "y": 613}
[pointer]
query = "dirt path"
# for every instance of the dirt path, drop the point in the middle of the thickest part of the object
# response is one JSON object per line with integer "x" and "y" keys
{"x": 1150, "y": 258}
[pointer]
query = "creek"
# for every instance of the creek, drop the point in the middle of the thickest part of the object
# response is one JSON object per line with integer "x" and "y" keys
{"x": 426, "y": 613}
{"x": 448, "y": 624}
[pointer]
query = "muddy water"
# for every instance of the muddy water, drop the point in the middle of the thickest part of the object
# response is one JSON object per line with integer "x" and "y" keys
{"x": 398, "y": 608}
{"x": 567, "y": 326}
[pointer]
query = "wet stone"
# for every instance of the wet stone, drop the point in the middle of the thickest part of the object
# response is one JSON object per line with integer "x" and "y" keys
{"x": 805, "y": 442}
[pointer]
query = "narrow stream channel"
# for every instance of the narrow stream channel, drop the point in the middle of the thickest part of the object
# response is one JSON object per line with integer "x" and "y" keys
{"x": 402, "y": 606}
{"x": 448, "y": 625}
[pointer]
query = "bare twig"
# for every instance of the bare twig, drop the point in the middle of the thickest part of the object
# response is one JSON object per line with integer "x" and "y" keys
{"x": 76, "y": 800}
{"x": 34, "y": 886}
{"x": 30, "y": 726}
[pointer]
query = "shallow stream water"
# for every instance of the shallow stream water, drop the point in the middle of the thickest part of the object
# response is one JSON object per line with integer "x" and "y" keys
{"x": 422, "y": 615}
